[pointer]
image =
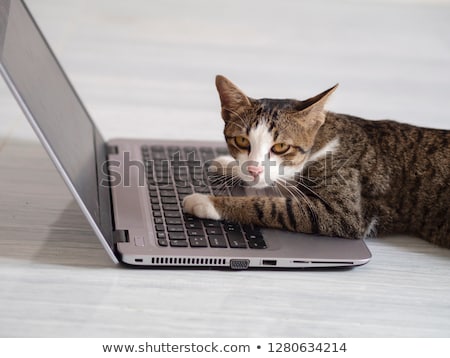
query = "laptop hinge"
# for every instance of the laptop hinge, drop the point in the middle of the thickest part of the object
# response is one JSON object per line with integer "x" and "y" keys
{"x": 120, "y": 236}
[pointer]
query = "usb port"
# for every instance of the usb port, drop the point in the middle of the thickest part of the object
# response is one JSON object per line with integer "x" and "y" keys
{"x": 269, "y": 262}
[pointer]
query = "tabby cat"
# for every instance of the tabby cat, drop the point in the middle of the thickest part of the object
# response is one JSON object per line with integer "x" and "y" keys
{"x": 337, "y": 175}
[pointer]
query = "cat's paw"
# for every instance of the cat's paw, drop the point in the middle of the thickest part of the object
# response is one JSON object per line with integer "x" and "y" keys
{"x": 201, "y": 206}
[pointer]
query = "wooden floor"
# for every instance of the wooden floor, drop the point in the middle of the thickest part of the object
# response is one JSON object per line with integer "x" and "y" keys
{"x": 146, "y": 68}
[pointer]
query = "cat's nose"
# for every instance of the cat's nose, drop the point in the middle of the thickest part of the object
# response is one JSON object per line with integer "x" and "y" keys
{"x": 254, "y": 171}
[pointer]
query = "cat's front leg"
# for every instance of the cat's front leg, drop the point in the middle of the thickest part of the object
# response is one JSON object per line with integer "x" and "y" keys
{"x": 245, "y": 210}
{"x": 309, "y": 216}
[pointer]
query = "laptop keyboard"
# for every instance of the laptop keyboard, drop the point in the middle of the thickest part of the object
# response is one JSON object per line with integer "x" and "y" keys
{"x": 173, "y": 173}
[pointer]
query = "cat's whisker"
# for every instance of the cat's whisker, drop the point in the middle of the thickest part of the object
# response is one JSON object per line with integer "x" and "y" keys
{"x": 314, "y": 193}
{"x": 221, "y": 182}
{"x": 294, "y": 196}
{"x": 228, "y": 181}
{"x": 293, "y": 185}
{"x": 289, "y": 191}
{"x": 297, "y": 200}
{"x": 295, "y": 189}
{"x": 299, "y": 180}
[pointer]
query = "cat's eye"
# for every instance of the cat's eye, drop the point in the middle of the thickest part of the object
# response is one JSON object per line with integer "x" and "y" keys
{"x": 242, "y": 142}
{"x": 280, "y": 148}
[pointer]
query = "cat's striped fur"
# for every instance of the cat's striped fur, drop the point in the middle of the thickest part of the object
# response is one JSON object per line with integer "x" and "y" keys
{"x": 343, "y": 176}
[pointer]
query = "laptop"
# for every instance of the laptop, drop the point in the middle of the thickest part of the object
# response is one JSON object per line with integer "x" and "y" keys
{"x": 130, "y": 190}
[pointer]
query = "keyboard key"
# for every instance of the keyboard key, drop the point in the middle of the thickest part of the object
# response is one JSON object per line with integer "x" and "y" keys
{"x": 174, "y": 221}
{"x": 206, "y": 150}
{"x": 168, "y": 186}
{"x": 177, "y": 236}
{"x": 248, "y": 229}
{"x": 157, "y": 214}
{"x": 214, "y": 231}
{"x": 184, "y": 190}
{"x": 217, "y": 241}
{"x": 236, "y": 240}
{"x": 181, "y": 181}
{"x": 257, "y": 244}
{"x": 175, "y": 228}
{"x": 162, "y": 242}
{"x": 159, "y": 227}
{"x": 157, "y": 148}
{"x": 158, "y": 155}
{"x": 189, "y": 150}
{"x": 202, "y": 189}
{"x": 169, "y": 200}
{"x": 195, "y": 232}
{"x": 222, "y": 151}
{"x": 193, "y": 225}
{"x": 197, "y": 172}
{"x": 254, "y": 237}
{"x": 161, "y": 235}
{"x": 163, "y": 176}
{"x": 173, "y": 149}
{"x": 211, "y": 223}
{"x": 172, "y": 214}
{"x": 170, "y": 207}
{"x": 232, "y": 228}
{"x": 182, "y": 184}
{"x": 163, "y": 181}
{"x": 252, "y": 230}
{"x": 198, "y": 241}
{"x": 178, "y": 243}
{"x": 158, "y": 220}
{"x": 167, "y": 193}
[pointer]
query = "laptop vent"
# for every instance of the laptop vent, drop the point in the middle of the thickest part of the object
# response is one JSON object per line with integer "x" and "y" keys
{"x": 189, "y": 261}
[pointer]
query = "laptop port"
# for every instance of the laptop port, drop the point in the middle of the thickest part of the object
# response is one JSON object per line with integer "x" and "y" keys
{"x": 239, "y": 264}
{"x": 269, "y": 262}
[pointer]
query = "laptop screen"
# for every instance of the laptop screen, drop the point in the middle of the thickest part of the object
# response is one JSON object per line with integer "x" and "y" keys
{"x": 55, "y": 111}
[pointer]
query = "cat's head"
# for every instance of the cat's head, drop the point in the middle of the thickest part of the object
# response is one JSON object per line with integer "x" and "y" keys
{"x": 271, "y": 139}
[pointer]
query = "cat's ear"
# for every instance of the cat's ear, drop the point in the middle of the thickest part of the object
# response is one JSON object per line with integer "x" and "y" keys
{"x": 232, "y": 99}
{"x": 317, "y": 103}
{"x": 311, "y": 111}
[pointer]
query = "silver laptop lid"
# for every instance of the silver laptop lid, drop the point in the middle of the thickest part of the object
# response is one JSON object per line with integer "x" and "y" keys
{"x": 57, "y": 115}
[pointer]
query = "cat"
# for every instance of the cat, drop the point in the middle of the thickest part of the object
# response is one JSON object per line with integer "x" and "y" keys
{"x": 336, "y": 174}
